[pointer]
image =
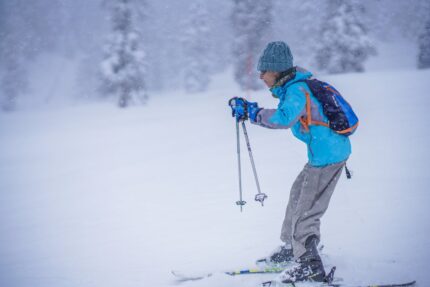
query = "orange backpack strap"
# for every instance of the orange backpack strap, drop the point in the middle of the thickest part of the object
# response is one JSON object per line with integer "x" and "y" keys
{"x": 320, "y": 124}
{"x": 308, "y": 109}
{"x": 349, "y": 130}
{"x": 306, "y": 121}
{"x": 304, "y": 124}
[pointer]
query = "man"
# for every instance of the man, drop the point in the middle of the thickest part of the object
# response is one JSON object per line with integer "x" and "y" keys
{"x": 327, "y": 153}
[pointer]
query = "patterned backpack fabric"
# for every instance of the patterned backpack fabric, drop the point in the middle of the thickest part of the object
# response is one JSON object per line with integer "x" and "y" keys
{"x": 341, "y": 117}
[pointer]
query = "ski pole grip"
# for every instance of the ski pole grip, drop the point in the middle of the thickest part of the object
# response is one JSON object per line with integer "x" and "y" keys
{"x": 230, "y": 102}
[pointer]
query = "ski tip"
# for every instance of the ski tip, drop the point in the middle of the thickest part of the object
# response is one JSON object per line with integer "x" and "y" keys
{"x": 406, "y": 284}
{"x": 183, "y": 277}
{"x": 176, "y": 273}
{"x": 412, "y": 283}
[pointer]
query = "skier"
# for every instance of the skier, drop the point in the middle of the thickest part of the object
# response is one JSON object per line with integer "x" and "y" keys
{"x": 327, "y": 154}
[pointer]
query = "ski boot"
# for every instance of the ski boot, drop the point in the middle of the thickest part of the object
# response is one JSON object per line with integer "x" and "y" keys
{"x": 282, "y": 256}
{"x": 308, "y": 267}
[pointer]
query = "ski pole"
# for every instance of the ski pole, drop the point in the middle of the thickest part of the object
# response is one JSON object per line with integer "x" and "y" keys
{"x": 240, "y": 202}
{"x": 260, "y": 197}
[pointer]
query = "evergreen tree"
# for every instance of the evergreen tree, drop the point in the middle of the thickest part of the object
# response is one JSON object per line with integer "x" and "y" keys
{"x": 196, "y": 48}
{"x": 307, "y": 21}
{"x": 344, "y": 44}
{"x": 14, "y": 42}
{"x": 14, "y": 81}
{"x": 252, "y": 28}
{"x": 123, "y": 67}
{"x": 424, "y": 45}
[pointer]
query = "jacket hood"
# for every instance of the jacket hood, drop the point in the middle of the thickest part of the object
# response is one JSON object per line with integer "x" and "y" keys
{"x": 300, "y": 74}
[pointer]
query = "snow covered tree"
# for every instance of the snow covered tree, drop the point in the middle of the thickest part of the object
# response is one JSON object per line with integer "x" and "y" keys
{"x": 424, "y": 44}
{"x": 14, "y": 81}
{"x": 14, "y": 42}
{"x": 196, "y": 48}
{"x": 307, "y": 22}
{"x": 252, "y": 28}
{"x": 344, "y": 43}
{"x": 123, "y": 67}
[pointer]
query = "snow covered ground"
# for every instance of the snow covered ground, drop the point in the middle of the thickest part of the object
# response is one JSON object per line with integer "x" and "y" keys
{"x": 93, "y": 195}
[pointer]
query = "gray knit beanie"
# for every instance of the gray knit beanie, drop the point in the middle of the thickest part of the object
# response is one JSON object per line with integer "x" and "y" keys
{"x": 276, "y": 57}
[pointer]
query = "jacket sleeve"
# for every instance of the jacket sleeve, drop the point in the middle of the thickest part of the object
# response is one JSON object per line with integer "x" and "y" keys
{"x": 263, "y": 119}
{"x": 289, "y": 110}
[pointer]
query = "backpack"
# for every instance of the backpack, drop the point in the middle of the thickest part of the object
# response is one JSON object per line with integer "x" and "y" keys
{"x": 341, "y": 117}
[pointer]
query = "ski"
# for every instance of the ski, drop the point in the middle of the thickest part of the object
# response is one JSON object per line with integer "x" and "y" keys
{"x": 181, "y": 277}
{"x": 274, "y": 283}
{"x": 262, "y": 267}
{"x": 264, "y": 270}
{"x": 193, "y": 277}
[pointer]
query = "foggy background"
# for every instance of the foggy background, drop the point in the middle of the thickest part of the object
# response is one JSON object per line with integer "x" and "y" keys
{"x": 118, "y": 152}
{"x": 52, "y": 51}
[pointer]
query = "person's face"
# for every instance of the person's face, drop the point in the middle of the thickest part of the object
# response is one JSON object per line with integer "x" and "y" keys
{"x": 269, "y": 78}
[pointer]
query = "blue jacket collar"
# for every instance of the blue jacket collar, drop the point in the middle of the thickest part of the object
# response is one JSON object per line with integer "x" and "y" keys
{"x": 300, "y": 75}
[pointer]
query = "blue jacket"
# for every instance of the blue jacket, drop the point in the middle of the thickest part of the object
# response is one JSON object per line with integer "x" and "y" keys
{"x": 324, "y": 146}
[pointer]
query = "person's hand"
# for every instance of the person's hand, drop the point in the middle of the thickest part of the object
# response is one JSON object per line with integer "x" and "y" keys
{"x": 239, "y": 108}
{"x": 252, "y": 110}
{"x": 242, "y": 109}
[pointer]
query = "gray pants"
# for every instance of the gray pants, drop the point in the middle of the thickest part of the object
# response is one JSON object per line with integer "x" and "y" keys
{"x": 309, "y": 199}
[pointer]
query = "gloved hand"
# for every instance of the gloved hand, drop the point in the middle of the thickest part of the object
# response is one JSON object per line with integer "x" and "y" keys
{"x": 238, "y": 108}
{"x": 253, "y": 110}
{"x": 242, "y": 109}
